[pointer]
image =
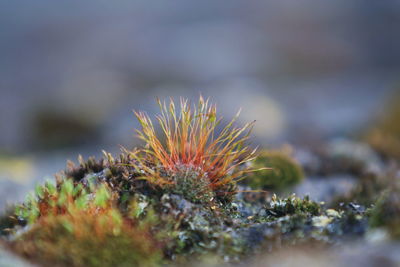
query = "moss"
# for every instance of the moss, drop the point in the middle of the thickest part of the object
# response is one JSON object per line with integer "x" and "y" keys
{"x": 285, "y": 172}
{"x": 189, "y": 139}
{"x": 179, "y": 229}
{"x": 287, "y": 222}
{"x": 203, "y": 232}
{"x": 51, "y": 200}
{"x": 190, "y": 184}
{"x": 186, "y": 209}
{"x": 76, "y": 226}
{"x": 81, "y": 239}
{"x": 182, "y": 221}
{"x": 292, "y": 205}
{"x": 118, "y": 173}
{"x": 174, "y": 208}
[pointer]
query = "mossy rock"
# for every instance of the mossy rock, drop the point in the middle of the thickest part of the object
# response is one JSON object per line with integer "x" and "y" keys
{"x": 284, "y": 173}
{"x": 292, "y": 206}
{"x": 73, "y": 224}
{"x": 146, "y": 210}
{"x": 186, "y": 209}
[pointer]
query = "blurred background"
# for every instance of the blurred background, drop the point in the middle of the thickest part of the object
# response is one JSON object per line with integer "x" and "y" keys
{"x": 72, "y": 71}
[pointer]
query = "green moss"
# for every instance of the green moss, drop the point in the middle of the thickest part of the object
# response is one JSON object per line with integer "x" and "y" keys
{"x": 285, "y": 172}
{"x": 53, "y": 200}
{"x": 71, "y": 225}
{"x": 191, "y": 185}
{"x": 292, "y": 205}
{"x": 198, "y": 230}
{"x": 82, "y": 239}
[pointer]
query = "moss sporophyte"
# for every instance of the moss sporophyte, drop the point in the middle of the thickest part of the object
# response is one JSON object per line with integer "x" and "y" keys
{"x": 189, "y": 147}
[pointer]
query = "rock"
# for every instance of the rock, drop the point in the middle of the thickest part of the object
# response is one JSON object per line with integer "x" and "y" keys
{"x": 326, "y": 188}
{"x": 9, "y": 260}
{"x": 354, "y": 255}
{"x": 356, "y": 152}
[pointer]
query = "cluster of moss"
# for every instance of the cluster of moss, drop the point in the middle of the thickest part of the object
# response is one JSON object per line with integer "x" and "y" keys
{"x": 108, "y": 202}
{"x": 284, "y": 173}
{"x": 292, "y": 205}
{"x": 76, "y": 225}
{"x": 142, "y": 210}
{"x": 81, "y": 239}
{"x": 102, "y": 212}
{"x": 190, "y": 184}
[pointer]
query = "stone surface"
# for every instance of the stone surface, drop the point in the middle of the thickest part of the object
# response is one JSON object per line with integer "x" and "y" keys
{"x": 9, "y": 260}
{"x": 326, "y": 188}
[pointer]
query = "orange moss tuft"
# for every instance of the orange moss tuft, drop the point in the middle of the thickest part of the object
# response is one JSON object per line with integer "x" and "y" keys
{"x": 190, "y": 139}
